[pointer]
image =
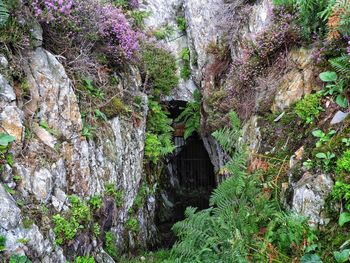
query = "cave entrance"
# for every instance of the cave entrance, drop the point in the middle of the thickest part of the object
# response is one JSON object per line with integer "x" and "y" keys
{"x": 189, "y": 178}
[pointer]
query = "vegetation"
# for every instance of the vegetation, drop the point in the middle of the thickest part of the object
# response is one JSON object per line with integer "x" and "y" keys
{"x": 186, "y": 68}
{"x": 159, "y": 133}
{"x": 110, "y": 246}
{"x": 309, "y": 107}
{"x": 2, "y": 243}
{"x": 160, "y": 67}
{"x": 181, "y": 23}
{"x": 19, "y": 259}
{"x": 191, "y": 115}
{"x": 84, "y": 260}
{"x": 231, "y": 229}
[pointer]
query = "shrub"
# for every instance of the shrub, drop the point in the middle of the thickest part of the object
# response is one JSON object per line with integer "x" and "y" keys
{"x": 159, "y": 133}
{"x": 160, "y": 66}
{"x": 309, "y": 107}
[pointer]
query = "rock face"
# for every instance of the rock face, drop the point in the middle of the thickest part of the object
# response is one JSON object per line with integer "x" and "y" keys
{"x": 309, "y": 197}
{"x": 54, "y": 160}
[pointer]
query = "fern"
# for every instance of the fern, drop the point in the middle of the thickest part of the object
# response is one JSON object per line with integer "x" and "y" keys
{"x": 228, "y": 231}
{"x": 191, "y": 115}
{"x": 342, "y": 66}
{"x": 4, "y": 13}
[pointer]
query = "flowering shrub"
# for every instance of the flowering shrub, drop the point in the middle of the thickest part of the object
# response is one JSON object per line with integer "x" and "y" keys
{"x": 89, "y": 21}
{"x": 52, "y": 9}
{"x": 115, "y": 28}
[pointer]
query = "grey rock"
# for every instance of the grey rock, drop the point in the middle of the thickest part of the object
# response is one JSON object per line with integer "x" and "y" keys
{"x": 309, "y": 197}
{"x": 3, "y": 61}
{"x": 6, "y": 91}
{"x": 10, "y": 214}
{"x": 339, "y": 117}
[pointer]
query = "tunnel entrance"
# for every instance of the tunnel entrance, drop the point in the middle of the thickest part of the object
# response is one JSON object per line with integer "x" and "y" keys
{"x": 188, "y": 179}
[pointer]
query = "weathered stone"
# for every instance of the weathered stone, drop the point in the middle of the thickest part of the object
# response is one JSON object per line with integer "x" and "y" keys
{"x": 6, "y": 91}
{"x": 339, "y": 117}
{"x": 10, "y": 215}
{"x": 3, "y": 61}
{"x": 297, "y": 82}
{"x": 309, "y": 196}
{"x": 44, "y": 136}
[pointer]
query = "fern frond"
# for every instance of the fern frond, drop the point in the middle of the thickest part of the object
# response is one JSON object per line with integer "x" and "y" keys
{"x": 341, "y": 65}
{"x": 4, "y": 13}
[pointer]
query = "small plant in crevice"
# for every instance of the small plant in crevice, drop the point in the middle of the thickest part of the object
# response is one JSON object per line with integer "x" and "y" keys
{"x": 164, "y": 33}
{"x": 309, "y": 108}
{"x": 118, "y": 195}
{"x": 110, "y": 245}
{"x": 160, "y": 68}
{"x": 191, "y": 115}
{"x": 132, "y": 224}
{"x": 181, "y": 23}
{"x": 326, "y": 159}
{"x": 19, "y": 259}
{"x": 2, "y": 243}
{"x": 158, "y": 142}
{"x": 323, "y": 137}
{"x": 186, "y": 67}
{"x": 335, "y": 87}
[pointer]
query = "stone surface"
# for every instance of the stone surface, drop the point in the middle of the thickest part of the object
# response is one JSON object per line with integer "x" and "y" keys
{"x": 296, "y": 82}
{"x": 309, "y": 197}
{"x": 339, "y": 117}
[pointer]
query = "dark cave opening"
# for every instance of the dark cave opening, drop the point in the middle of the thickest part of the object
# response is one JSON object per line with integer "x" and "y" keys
{"x": 188, "y": 179}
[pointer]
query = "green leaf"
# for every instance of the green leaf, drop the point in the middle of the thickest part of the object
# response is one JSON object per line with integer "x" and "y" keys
{"x": 310, "y": 258}
{"x": 328, "y": 76}
{"x": 321, "y": 155}
{"x": 5, "y": 139}
{"x": 318, "y": 133}
{"x": 342, "y": 101}
{"x": 342, "y": 256}
{"x": 344, "y": 218}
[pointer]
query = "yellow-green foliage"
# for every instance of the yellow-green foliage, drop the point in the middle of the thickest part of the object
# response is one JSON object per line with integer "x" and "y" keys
{"x": 160, "y": 67}
{"x": 115, "y": 107}
{"x": 309, "y": 107}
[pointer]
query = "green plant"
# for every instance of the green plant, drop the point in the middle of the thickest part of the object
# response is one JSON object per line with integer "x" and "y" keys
{"x": 132, "y": 224}
{"x": 139, "y": 17}
{"x": 19, "y": 259}
{"x": 191, "y": 115}
{"x": 6, "y": 139}
{"x": 43, "y": 124}
{"x": 66, "y": 227}
{"x": 309, "y": 107}
{"x": 101, "y": 115}
{"x": 23, "y": 241}
{"x": 342, "y": 66}
{"x": 96, "y": 229}
{"x": 323, "y": 138}
{"x": 2, "y": 243}
{"x": 334, "y": 87}
{"x": 346, "y": 141}
{"x": 84, "y": 260}
{"x": 326, "y": 158}
{"x": 88, "y": 132}
{"x": 343, "y": 163}
{"x": 95, "y": 202}
{"x": 229, "y": 231}
{"x": 181, "y": 23}
{"x": 164, "y": 32}
{"x": 92, "y": 89}
{"x": 111, "y": 190}
{"x": 4, "y": 13}
{"x": 110, "y": 245}
{"x": 186, "y": 68}
{"x": 342, "y": 256}
{"x": 160, "y": 66}
{"x": 159, "y": 133}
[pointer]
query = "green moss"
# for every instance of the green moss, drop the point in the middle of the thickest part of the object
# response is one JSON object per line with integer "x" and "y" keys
{"x": 160, "y": 66}
{"x": 343, "y": 166}
{"x": 85, "y": 259}
{"x": 115, "y": 107}
{"x": 110, "y": 245}
{"x": 309, "y": 107}
{"x": 132, "y": 224}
